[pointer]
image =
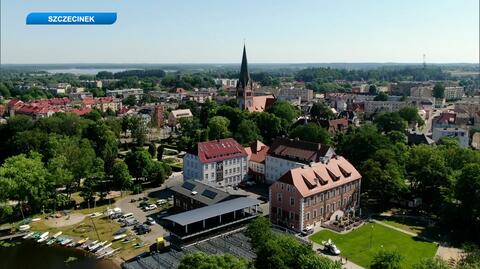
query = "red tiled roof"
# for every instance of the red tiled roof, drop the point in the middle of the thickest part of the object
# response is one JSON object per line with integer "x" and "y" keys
{"x": 59, "y": 101}
{"x": 320, "y": 177}
{"x": 337, "y": 124}
{"x": 257, "y": 152}
{"x": 219, "y": 150}
{"x": 298, "y": 150}
{"x": 446, "y": 118}
{"x": 261, "y": 103}
{"x": 82, "y": 111}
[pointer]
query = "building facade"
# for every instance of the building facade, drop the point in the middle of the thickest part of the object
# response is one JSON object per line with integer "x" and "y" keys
{"x": 454, "y": 93}
{"x": 285, "y": 154}
{"x": 222, "y": 162}
{"x": 123, "y": 93}
{"x": 307, "y": 196}
{"x": 257, "y": 154}
{"x": 460, "y": 134}
{"x": 304, "y": 95}
{"x": 175, "y": 115}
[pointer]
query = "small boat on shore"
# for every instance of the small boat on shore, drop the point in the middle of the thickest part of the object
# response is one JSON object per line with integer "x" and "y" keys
{"x": 43, "y": 237}
{"x": 57, "y": 235}
{"x": 28, "y": 235}
{"x": 109, "y": 253}
{"x": 118, "y": 237}
{"x": 65, "y": 241}
{"x": 51, "y": 241}
{"x": 90, "y": 244}
{"x": 81, "y": 241}
{"x": 97, "y": 246}
{"x": 24, "y": 228}
{"x": 100, "y": 250}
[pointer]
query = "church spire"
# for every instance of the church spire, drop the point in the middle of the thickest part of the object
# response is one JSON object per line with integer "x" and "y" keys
{"x": 244, "y": 75}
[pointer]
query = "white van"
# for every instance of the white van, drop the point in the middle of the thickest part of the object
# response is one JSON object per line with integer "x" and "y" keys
{"x": 128, "y": 215}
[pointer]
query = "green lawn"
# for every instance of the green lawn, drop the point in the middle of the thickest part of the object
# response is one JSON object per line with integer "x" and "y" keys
{"x": 356, "y": 244}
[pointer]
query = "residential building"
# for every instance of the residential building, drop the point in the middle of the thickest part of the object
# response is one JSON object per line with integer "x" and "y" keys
{"x": 304, "y": 95}
{"x": 102, "y": 103}
{"x": 415, "y": 138}
{"x": 422, "y": 91}
{"x": 245, "y": 96}
{"x": 285, "y": 154}
{"x": 123, "y": 93}
{"x": 193, "y": 194}
{"x": 454, "y": 93}
{"x": 92, "y": 83}
{"x": 460, "y": 134}
{"x": 309, "y": 195}
{"x": 226, "y": 82}
{"x": 476, "y": 120}
{"x": 223, "y": 162}
{"x": 471, "y": 105}
{"x": 257, "y": 154}
{"x": 158, "y": 119}
{"x": 175, "y": 115}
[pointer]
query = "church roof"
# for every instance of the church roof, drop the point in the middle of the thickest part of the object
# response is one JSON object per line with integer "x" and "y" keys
{"x": 244, "y": 78}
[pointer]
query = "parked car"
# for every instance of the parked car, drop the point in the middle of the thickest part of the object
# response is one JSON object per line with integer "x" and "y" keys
{"x": 143, "y": 204}
{"x": 151, "y": 207}
{"x": 150, "y": 221}
{"x": 331, "y": 248}
{"x": 162, "y": 202}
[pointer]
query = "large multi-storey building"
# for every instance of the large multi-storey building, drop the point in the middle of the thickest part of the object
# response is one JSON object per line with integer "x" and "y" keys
{"x": 422, "y": 91}
{"x": 454, "y": 92}
{"x": 222, "y": 162}
{"x": 460, "y": 134}
{"x": 295, "y": 93}
{"x": 285, "y": 154}
{"x": 309, "y": 195}
{"x": 123, "y": 93}
{"x": 226, "y": 82}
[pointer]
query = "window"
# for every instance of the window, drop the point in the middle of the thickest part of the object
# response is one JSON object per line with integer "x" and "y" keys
{"x": 291, "y": 215}
{"x": 321, "y": 211}
{"x": 307, "y": 216}
{"x": 281, "y": 186}
{"x": 292, "y": 201}
{"x": 314, "y": 214}
{"x": 321, "y": 197}
{"x": 315, "y": 200}
{"x": 279, "y": 212}
{"x": 213, "y": 175}
{"x": 328, "y": 208}
{"x": 206, "y": 176}
{"x": 279, "y": 197}
{"x": 333, "y": 207}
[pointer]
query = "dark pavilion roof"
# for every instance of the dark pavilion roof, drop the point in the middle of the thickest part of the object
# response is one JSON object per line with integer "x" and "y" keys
{"x": 244, "y": 78}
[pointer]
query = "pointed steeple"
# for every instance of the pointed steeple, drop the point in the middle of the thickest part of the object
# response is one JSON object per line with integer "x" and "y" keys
{"x": 244, "y": 75}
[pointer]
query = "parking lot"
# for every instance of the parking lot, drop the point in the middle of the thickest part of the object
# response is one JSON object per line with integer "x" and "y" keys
{"x": 258, "y": 191}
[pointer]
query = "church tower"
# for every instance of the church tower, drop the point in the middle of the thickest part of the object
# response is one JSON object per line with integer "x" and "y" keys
{"x": 244, "y": 85}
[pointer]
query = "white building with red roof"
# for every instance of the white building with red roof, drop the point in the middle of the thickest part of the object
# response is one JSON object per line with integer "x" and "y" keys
{"x": 257, "y": 153}
{"x": 222, "y": 162}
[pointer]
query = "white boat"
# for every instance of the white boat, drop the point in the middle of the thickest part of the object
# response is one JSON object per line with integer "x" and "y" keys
{"x": 42, "y": 239}
{"x": 103, "y": 248}
{"x": 108, "y": 253}
{"x": 90, "y": 244}
{"x": 28, "y": 235}
{"x": 36, "y": 219}
{"x": 44, "y": 235}
{"x": 66, "y": 241}
{"x": 120, "y": 236}
{"x": 57, "y": 235}
{"x": 82, "y": 241}
{"x": 23, "y": 228}
{"x": 97, "y": 245}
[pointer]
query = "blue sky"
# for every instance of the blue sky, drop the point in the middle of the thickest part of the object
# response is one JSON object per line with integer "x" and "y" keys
{"x": 276, "y": 31}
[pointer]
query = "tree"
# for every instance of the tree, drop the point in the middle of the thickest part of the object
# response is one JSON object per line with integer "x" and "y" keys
{"x": 285, "y": 111}
{"x": 138, "y": 162}
{"x": 139, "y": 130}
{"x": 200, "y": 260}
{"x": 372, "y": 90}
{"x": 410, "y": 114}
{"x": 259, "y": 230}
{"x": 25, "y": 179}
{"x": 381, "y": 97}
{"x": 281, "y": 251}
{"x": 311, "y": 132}
{"x": 218, "y": 128}
{"x": 321, "y": 111}
{"x": 467, "y": 191}
{"x": 383, "y": 183}
{"x": 388, "y": 122}
{"x": 314, "y": 261}
{"x": 431, "y": 263}
{"x": 104, "y": 142}
{"x": 359, "y": 144}
{"x": 152, "y": 149}
{"x": 156, "y": 173}
{"x": 439, "y": 91}
{"x": 235, "y": 115}
{"x": 130, "y": 100}
{"x": 385, "y": 259}
{"x": 270, "y": 126}
{"x": 160, "y": 152}
{"x": 121, "y": 177}
{"x": 247, "y": 132}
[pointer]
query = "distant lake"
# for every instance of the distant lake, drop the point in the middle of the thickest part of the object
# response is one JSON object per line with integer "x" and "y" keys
{"x": 31, "y": 255}
{"x": 88, "y": 71}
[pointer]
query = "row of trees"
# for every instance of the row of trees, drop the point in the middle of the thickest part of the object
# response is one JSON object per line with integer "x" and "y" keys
{"x": 446, "y": 177}
{"x": 68, "y": 153}
{"x": 212, "y": 121}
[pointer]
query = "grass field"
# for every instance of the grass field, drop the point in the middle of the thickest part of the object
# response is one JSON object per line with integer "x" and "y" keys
{"x": 356, "y": 244}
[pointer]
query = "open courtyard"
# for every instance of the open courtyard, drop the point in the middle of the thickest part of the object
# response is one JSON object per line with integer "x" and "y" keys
{"x": 360, "y": 245}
